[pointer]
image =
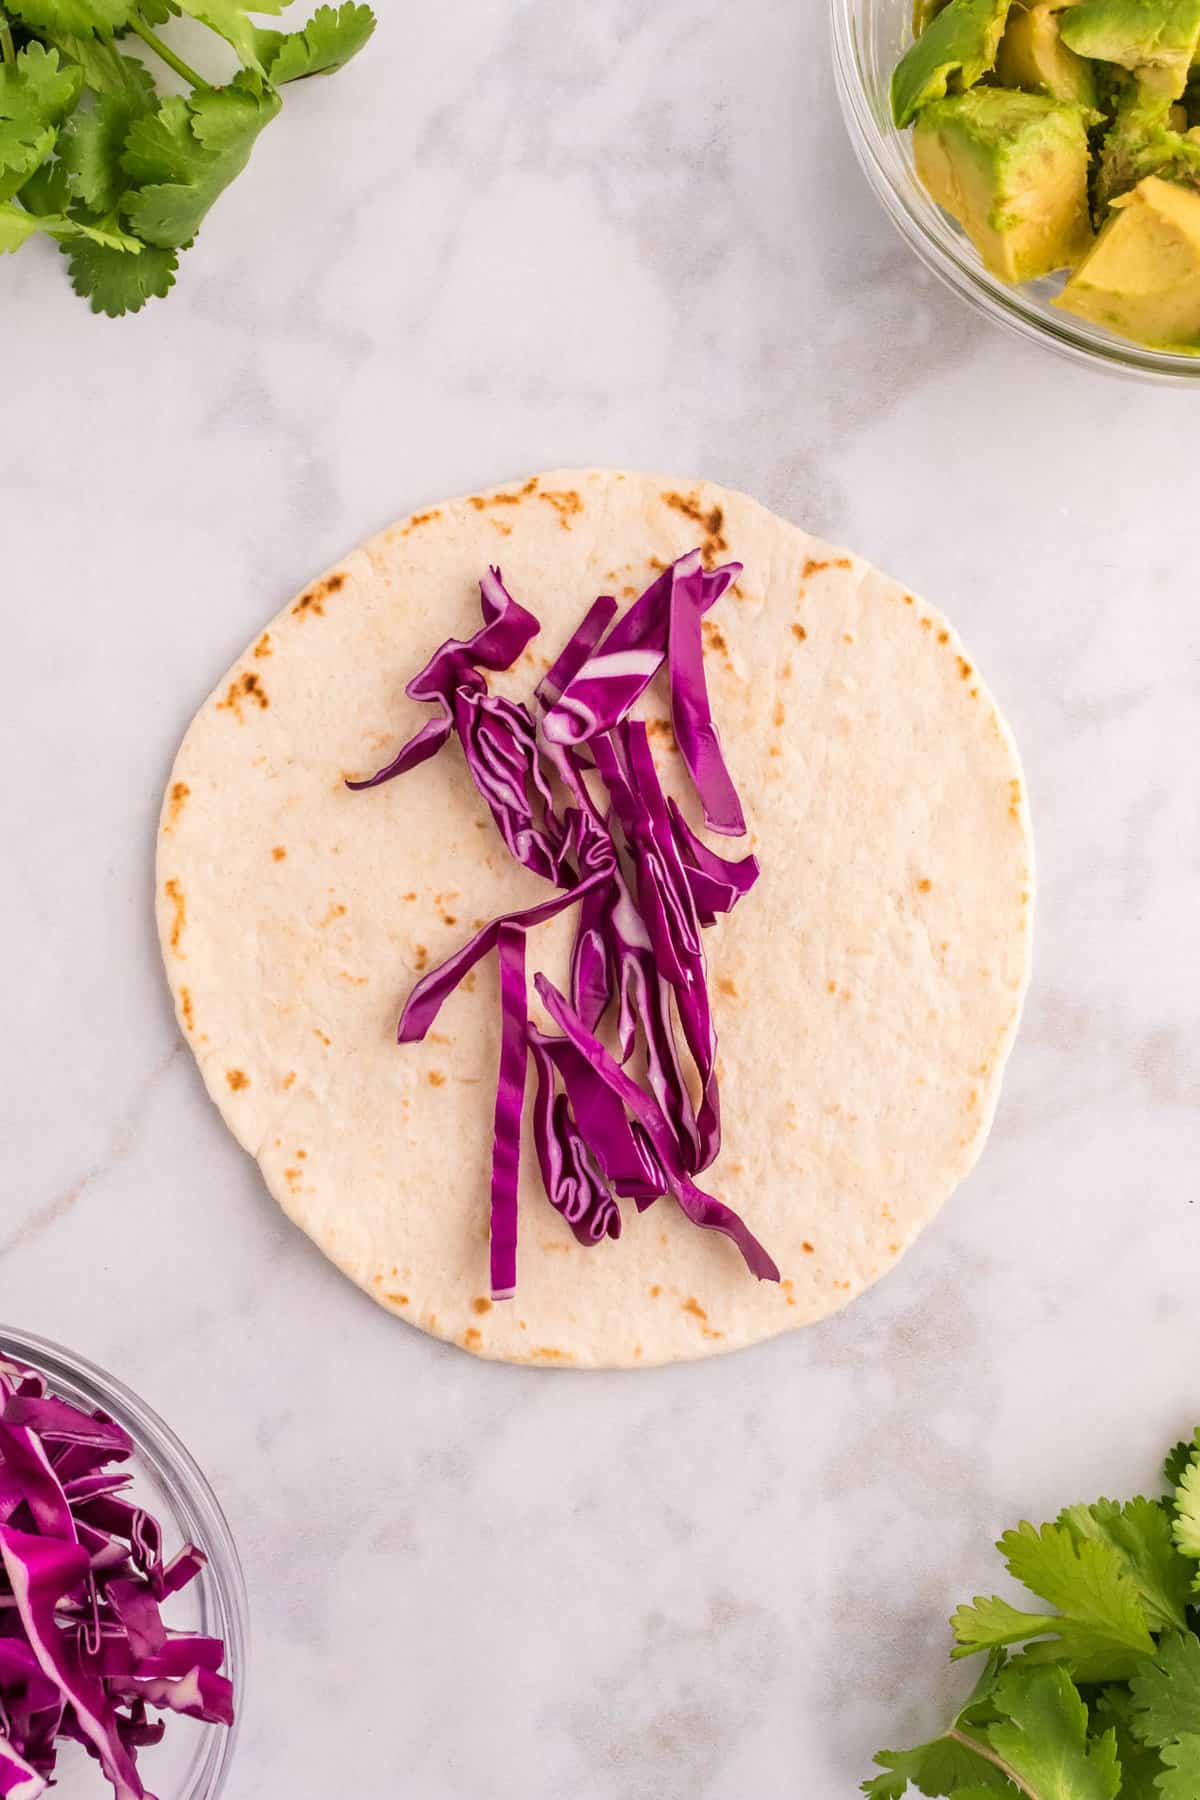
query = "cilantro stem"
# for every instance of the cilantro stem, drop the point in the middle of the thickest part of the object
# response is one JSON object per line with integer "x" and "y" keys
{"x": 8, "y": 50}
{"x": 155, "y": 43}
{"x": 997, "y": 1762}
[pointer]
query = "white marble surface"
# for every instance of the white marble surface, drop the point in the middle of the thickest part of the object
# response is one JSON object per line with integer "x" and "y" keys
{"x": 517, "y": 235}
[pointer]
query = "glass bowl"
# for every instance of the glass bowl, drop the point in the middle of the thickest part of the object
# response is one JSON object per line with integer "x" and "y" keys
{"x": 869, "y": 37}
{"x": 193, "y": 1760}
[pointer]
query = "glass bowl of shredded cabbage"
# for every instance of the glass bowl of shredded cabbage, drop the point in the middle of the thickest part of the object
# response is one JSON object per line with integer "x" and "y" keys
{"x": 869, "y": 39}
{"x": 123, "y": 1618}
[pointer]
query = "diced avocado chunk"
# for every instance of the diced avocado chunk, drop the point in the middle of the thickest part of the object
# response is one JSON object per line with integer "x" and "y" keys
{"x": 1142, "y": 277}
{"x": 1033, "y": 56}
{"x": 1013, "y": 170}
{"x": 956, "y": 48}
{"x": 1158, "y": 38}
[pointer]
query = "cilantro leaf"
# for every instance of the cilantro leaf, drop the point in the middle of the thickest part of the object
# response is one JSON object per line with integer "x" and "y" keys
{"x": 183, "y": 158}
{"x": 990, "y": 1624}
{"x": 1140, "y": 1533}
{"x": 331, "y": 37}
{"x": 36, "y": 93}
{"x": 1177, "y": 1461}
{"x": 944, "y": 1764}
{"x": 16, "y": 226}
{"x": 1187, "y": 1515}
{"x": 104, "y": 69}
{"x": 92, "y": 147}
{"x": 1103, "y": 1625}
{"x": 1181, "y": 1777}
{"x": 117, "y": 283}
{"x": 84, "y": 18}
{"x": 1165, "y": 1691}
{"x": 1140, "y": 1765}
{"x": 230, "y": 21}
{"x": 1043, "y": 1737}
{"x": 47, "y": 190}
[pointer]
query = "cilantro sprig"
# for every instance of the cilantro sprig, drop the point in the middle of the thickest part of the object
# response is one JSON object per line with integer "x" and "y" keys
{"x": 118, "y": 173}
{"x": 1096, "y": 1694}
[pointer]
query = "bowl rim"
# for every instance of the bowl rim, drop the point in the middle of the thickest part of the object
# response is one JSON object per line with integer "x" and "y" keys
{"x": 199, "y": 1513}
{"x": 951, "y": 257}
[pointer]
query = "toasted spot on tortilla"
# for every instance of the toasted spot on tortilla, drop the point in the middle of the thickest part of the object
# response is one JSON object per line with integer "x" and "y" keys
{"x": 661, "y": 730}
{"x": 435, "y": 1078}
{"x": 964, "y": 668}
{"x": 353, "y": 980}
{"x": 544, "y": 1353}
{"x": 397, "y": 1299}
{"x": 408, "y": 896}
{"x": 179, "y": 793}
{"x": 926, "y": 624}
{"x": 437, "y": 1037}
{"x": 775, "y": 750}
{"x": 246, "y": 687}
{"x": 336, "y": 911}
{"x": 847, "y": 637}
{"x": 237, "y": 1079}
{"x": 693, "y": 1306}
{"x": 655, "y": 1291}
{"x": 263, "y": 646}
{"x": 471, "y": 1338}
{"x": 482, "y": 501}
{"x": 481, "y": 1305}
{"x": 175, "y": 894}
{"x": 780, "y": 713}
{"x": 811, "y": 568}
{"x": 318, "y": 1033}
{"x": 712, "y": 521}
{"x": 637, "y": 1351}
{"x": 831, "y": 987}
{"x": 468, "y": 982}
{"x": 278, "y": 853}
{"x": 419, "y": 519}
{"x": 727, "y": 986}
{"x": 710, "y": 1333}
{"x": 289, "y": 1078}
{"x": 185, "y": 1007}
{"x": 714, "y": 637}
{"x": 420, "y": 957}
{"x": 972, "y": 1100}
{"x": 799, "y": 633}
{"x": 313, "y": 598}
{"x": 566, "y": 504}
{"x": 292, "y": 1177}
{"x": 808, "y": 1249}
{"x": 786, "y": 670}
{"x": 908, "y": 600}
{"x": 925, "y": 884}
{"x": 943, "y": 637}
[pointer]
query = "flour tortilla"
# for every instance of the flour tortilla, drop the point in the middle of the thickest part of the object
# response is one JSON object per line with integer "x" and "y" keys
{"x": 866, "y": 992}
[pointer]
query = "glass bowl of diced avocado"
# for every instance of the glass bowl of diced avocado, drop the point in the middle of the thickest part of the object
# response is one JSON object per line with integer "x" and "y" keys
{"x": 1043, "y": 157}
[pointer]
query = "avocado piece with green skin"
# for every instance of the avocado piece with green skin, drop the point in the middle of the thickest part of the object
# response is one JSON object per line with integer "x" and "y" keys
{"x": 1142, "y": 277}
{"x": 1143, "y": 139}
{"x": 957, "y": 47}
{"x": 1033, "y": 56}
{"x": 1157, "y": 38}
{"x": 1012, "y": 168}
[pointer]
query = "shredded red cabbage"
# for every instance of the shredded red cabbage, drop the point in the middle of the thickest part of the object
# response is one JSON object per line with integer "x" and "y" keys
{"x": 83, "y": 1646}
{"x": 645, "y": 886}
